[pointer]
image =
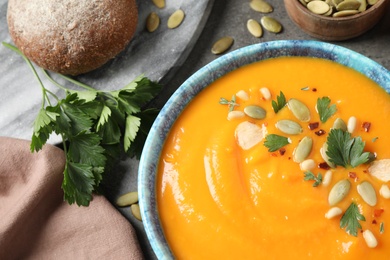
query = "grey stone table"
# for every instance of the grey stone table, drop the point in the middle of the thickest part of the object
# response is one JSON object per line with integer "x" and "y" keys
{"x": 227, "y": 18}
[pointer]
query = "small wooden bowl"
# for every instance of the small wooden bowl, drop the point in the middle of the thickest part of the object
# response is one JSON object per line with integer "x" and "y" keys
{"x": 334, "y": 29}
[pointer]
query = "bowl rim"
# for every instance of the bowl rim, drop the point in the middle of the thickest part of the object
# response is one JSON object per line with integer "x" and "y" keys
{"x": 338, "y": 19}
{"x": 201, "y": 79}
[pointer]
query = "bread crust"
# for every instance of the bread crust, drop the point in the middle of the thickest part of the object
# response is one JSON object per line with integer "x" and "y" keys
{"x": 71, "y": 37}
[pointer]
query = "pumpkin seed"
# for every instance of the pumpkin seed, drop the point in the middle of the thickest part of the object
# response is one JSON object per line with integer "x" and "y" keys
{"x": 318, "y": 7}
{"x": 289, "y": 127}
{"x": 300, "y": 110}
{"x": 336, "y": 2}
{"x": 241, "y": 94}
{"x": 339, "y": 124}
{"x": 333, "y": 212}
{"x": 271, "y": 24}
{"x": 345, "y": 13}
{"x": 175, "y": 19}
{"x": 330, "y": 3}
{"x": 127, "y": 199}
{"x": 254, "y": 28}
{"x": 330, "y": 12}
{"x": 152, "y": 22}
{"x": 370, "y": 238}
{"x": 363, "y": 5}
{"x": 348, "y": 5}
{"x": 159, "y": 3}
{"x": 261, "y": 6}
{"x": 367, "y": 192}
{"x": 325, "y": 156}
{"x": 222, "y": 45}
{"x": 380, "y": 169}
{"x": 372, "y": 2}
{"x": 338, "y": 192}
{"x": 255, "y": 112}
{"x": 303, "y": 149}
{"x": 135, "y": 210}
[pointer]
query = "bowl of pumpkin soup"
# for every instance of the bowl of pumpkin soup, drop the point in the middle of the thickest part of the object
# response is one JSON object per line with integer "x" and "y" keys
{"x": 277, "y": 150}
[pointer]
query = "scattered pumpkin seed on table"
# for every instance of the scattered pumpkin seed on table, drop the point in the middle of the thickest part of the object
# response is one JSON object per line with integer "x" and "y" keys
{"x": 176, "y": 19}
{"x": 254, "y": 28}
{"x": 159, "y": 3}
{"x": 271, "y": 24}
{"x": 152, "y": 22}
{"x": 222, "y": 45}
{"x": 261, "y": 6}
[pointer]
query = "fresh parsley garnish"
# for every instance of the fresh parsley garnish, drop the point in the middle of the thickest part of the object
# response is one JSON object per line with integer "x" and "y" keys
{"x": 274, "y": 142}
{"x": 309, "y": 176}
{"x": 96, "y": 128}
{"x": 381, "y": 227}
{"x": 231, "y": 103}
{"x": 279, "y": 103}
{"x": 350, "y": 220}
{"x": 324, "y": 110}
{"x": 344, "y": 150}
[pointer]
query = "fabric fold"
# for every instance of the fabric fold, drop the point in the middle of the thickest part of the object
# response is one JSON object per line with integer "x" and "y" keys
{"x": 35, "y": 222}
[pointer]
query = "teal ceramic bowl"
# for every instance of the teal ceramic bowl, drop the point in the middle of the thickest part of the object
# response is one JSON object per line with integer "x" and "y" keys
{"x": 201, "y": 79}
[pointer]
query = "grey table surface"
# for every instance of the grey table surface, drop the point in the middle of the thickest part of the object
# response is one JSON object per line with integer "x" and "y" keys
{"x": 228, "y": 18}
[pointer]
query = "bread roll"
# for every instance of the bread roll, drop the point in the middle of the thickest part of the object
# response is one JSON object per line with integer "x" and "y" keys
{"x": 71, "y": 36}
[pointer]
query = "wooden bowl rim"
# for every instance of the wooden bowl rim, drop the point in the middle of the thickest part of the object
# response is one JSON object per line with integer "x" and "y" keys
{"x": 379, "y": 4}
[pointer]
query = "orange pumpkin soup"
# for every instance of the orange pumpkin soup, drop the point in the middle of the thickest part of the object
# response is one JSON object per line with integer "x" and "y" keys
{"x": 235, "y": 185}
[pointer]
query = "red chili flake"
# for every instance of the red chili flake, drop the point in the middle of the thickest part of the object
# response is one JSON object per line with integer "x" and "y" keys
{"x": 366, "y": 126}
{"x": 314, "y": 125}
{"x": 274, "y": 155}
{"x": 282, "y": 151}
{"x": 352, "y": 175}
{"x": 314, "y": 89}
{"x": 320, "y": 132}
{"x": 378, "y": 212}
{"x": 324, "y": 166}
{"x": 374, "y": 222}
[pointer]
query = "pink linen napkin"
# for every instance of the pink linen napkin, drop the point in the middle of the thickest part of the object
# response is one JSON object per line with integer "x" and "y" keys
{"x": 35, "y": 222}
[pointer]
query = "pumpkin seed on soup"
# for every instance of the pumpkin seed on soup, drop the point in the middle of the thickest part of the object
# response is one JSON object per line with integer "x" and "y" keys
{"x": 222, "y": 45}
{"x": 254, "y": 28}
{"x": 176, "y": 19}
{"x": 271, "y": 24}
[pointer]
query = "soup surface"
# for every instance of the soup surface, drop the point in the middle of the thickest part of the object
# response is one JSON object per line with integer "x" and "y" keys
{"x": 236, "y": 188}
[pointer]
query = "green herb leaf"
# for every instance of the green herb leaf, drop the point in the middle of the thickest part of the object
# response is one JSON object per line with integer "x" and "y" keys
{"x": 382, "y": 227}
{"x": 274, "y": 142}
{"x": 279, "y": 103}
{"x": 231, "y": 104}
{"x": 344, "y": 150}
{"x": 350, "y": 220}
{"x": 132, "y": 125}
{"x": 324, "y": 110}
{"x": 309, "y": 176}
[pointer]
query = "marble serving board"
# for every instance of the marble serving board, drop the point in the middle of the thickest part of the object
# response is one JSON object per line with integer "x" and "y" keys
{"x": 157, "y": 55}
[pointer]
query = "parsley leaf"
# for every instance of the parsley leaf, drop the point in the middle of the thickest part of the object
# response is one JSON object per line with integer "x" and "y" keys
{"x": 350, "y": 220}
{"x": 96, "y": 127}
{"x": 324, "y": 110}
{"x": 274, "y": 142}
{"x": 309, "y": 176}
{"x": 279, "y": 103}
{"x": 344, "y": 150}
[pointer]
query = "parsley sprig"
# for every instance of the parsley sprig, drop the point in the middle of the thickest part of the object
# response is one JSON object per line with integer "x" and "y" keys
{"x": 324, "y": 110}
{"x": 279, "y": 103}
{"x": 95, "y": 126}
{"x": 274, "y": 142}
{"x": 350, "y": 220}
{"x": 309, "y": 176}
{"x": 344, "y": 150}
